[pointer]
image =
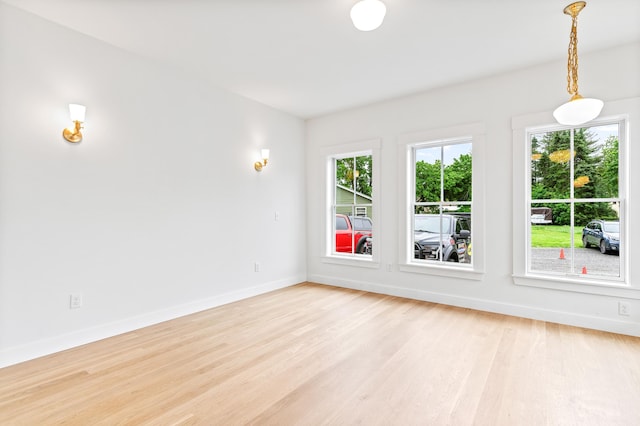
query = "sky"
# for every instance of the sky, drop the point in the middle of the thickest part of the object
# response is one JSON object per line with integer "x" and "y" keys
{"x": 432, "y": 153}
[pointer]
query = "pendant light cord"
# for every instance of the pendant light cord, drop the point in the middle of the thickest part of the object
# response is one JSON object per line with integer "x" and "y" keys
{"x": 572, "y": 62}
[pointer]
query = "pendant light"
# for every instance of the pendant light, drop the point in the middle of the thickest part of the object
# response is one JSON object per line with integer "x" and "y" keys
{"x": 578, "y": 110}
{"x": 367, "y": 15}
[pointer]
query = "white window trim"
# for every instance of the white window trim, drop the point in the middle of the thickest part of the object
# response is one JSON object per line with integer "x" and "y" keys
{"x": 371, "y": 146}
{"x": 628, "y": 109}
{"x": 476, "y": 133}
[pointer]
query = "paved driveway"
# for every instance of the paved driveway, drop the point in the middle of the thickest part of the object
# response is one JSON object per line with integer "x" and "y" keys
{"x": 589, "y": 260}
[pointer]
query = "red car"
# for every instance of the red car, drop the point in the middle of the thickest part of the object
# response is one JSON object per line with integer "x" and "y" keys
{"x": 353, "y": 234}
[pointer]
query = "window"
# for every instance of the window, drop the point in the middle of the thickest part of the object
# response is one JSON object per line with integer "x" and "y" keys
{"x": 575, "y": 176}
{"x": 352, "y": 171}
{"x": 352, "y": 204}
{"x": 570, "y": 195}
{"x": 443, "y": 201}
{"x": 441, "y": 207}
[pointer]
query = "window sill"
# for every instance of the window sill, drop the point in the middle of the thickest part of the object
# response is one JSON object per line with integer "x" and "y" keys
{"x": 361, "y": 262}
{"x": 443, "y": 271}
{"x": 578, "y": 285}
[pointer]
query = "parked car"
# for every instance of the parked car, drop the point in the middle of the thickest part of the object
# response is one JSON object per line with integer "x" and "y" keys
{"x": 353, "y": 234}
{"x": 603, "y": 234}
{"x": 451, "y": 241}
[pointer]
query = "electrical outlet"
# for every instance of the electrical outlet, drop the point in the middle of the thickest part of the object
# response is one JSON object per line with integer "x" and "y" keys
{"x": 256, "y": 267}
{"x": 75, "y": 301}
{"x": 623, "y": 309}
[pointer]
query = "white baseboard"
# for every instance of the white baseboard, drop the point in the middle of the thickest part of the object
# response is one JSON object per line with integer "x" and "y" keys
{"x": 17, "y": 354}
{"x": 541, "y": 314}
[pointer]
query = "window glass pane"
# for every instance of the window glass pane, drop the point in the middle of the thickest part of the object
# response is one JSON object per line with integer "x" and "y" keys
{"x": 344, "y": 179}
{"x": 457, "y": 172}
{"x": 442, "y": 237}
{"x": 596, "y": 164}
{"x": 428, "y": 169}
{"x": 429, "y": 231}
{"x": 598, "y": 249}
{"x": 344, "y": 235}
{"x": 551, "y": 242}
{"x": 551, "y": 165}
{"x": 363, "y": 175}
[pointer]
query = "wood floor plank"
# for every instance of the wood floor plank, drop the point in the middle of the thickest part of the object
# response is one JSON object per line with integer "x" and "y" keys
{"x": 313, "y": 354}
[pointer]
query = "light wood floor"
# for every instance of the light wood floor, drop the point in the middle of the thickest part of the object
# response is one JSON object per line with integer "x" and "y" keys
{"x": 312, "y": 354}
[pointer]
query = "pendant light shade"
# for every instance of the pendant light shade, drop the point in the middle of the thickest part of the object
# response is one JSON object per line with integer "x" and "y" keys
{"x": 367, "y": 15}
{"x": 578, "y": 110}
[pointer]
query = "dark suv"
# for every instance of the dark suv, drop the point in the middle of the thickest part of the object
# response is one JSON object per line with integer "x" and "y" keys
{"x": 446, "y": 236}
{"x": 603, "y": 234}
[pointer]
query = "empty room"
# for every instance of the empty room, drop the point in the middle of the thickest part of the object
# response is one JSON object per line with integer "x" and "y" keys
{"x": 304, "y": 212}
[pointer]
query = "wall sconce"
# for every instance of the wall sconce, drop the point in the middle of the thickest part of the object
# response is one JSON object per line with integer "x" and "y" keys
{"x": 76, "y": 112}
{"x": 258, "y": 165}
{"x": 577, "y": 110}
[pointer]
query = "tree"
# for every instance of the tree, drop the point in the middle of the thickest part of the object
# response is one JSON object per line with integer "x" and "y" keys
{"x": 608, "y": 169}
{"x": 427, "y": 181}
{"x": 457, "y": 179}
{"x": 551, "y": 174}
{"x": 355, "y": 173}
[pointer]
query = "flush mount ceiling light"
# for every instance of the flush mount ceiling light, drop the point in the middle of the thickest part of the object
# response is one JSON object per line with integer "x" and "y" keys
{"x": 367, "y": 15}
{"x": 578, "y": 110}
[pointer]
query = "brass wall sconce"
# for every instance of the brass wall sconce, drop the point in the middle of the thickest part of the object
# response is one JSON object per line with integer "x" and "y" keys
{"x": 76, "y": 112}
{"x": 258, "y": 165}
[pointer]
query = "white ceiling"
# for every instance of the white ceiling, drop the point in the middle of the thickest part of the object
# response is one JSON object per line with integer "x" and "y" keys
{"x": 306, "y": 58}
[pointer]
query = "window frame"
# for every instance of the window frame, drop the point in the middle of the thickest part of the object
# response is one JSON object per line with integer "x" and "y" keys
{"x": 475, "y": 134}
{"x": 624, "y": 112}
{"x": 574, "y": 200}
{"x": 330, "y": 154}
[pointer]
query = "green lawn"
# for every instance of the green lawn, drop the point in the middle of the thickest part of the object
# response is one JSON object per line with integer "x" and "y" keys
{"x": 554, "y": 236}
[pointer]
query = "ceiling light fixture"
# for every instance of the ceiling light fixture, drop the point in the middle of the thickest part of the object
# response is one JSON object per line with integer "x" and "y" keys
{"x": 367, "y": 15}
{"x": 578, "y": 110}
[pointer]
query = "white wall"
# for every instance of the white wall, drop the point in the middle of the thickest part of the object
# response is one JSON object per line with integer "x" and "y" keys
{"x": 158, "y": 212}
{"x": 492, "y": 102}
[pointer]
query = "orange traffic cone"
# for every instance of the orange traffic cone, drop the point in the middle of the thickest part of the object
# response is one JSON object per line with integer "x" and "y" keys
{"x": 562, "y": 253}
{"x": 584, "y": 270}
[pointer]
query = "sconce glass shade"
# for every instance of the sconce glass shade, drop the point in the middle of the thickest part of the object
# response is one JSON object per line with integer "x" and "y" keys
{"x": 578, "y": 110}
{"x": 367, "y": 15}
{"x": 77, "y": 112}
{"x": 265, "y": 154}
